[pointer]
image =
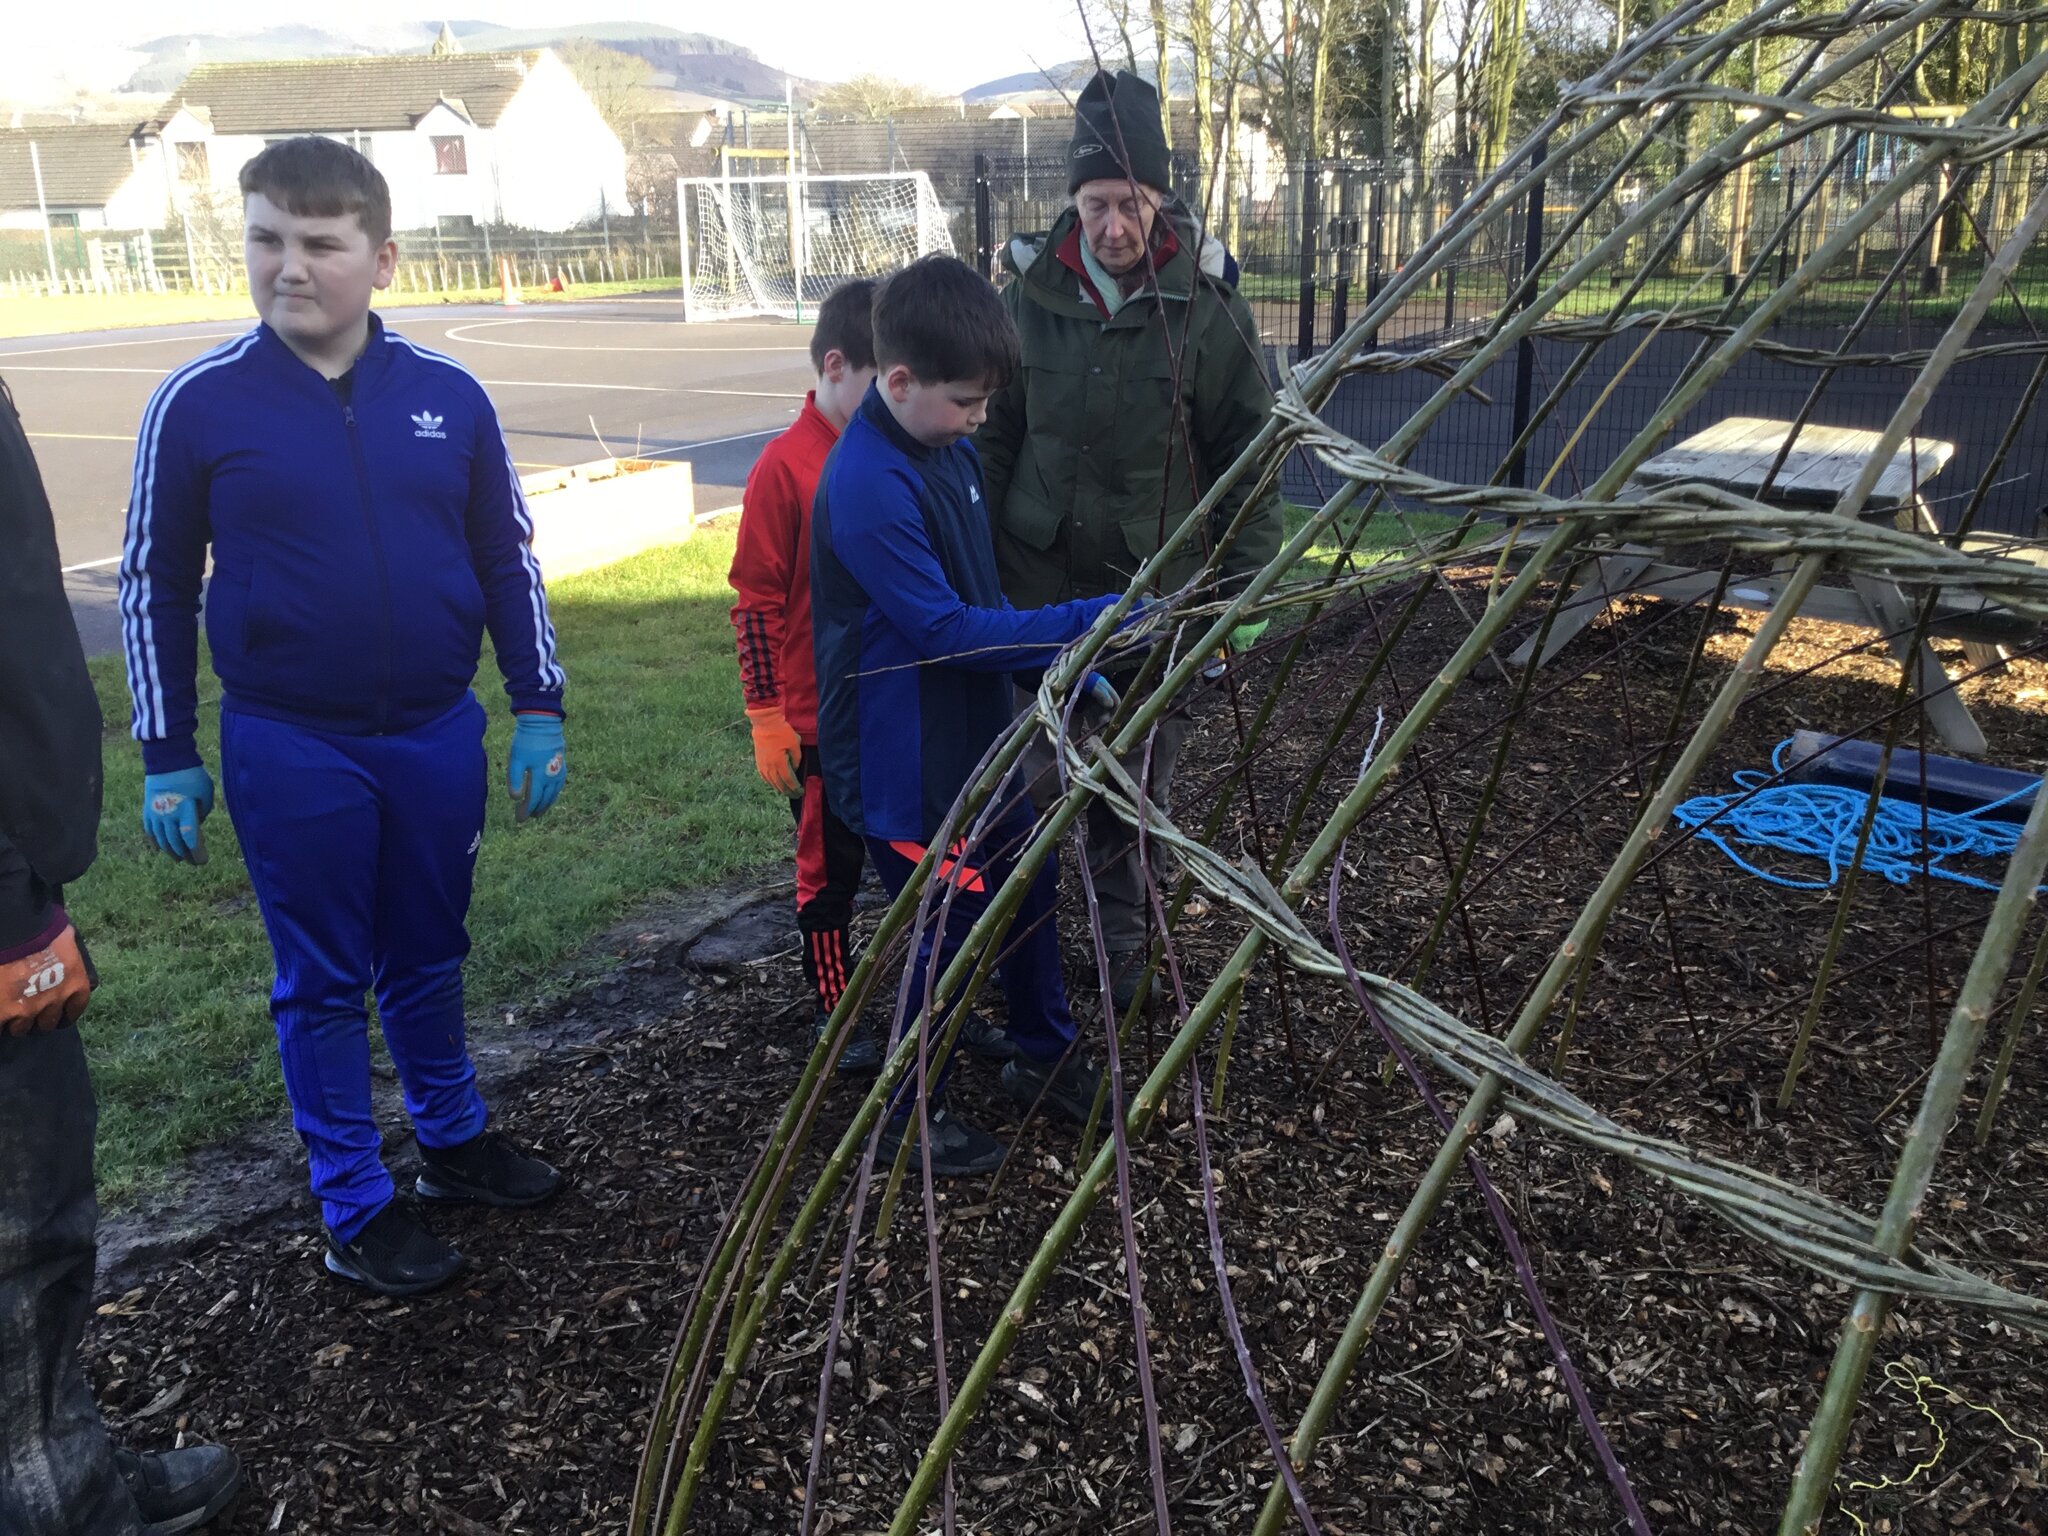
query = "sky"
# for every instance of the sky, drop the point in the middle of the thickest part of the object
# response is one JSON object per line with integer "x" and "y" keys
{"x": 942, "y": 44}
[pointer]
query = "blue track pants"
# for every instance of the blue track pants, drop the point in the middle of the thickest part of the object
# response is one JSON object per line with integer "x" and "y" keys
{"x": 1033, "y": 986}
{"x": 361, "y": 850}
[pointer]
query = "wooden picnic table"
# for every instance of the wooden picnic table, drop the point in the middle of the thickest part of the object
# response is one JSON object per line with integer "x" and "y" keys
{"x": 1738, "y": 455}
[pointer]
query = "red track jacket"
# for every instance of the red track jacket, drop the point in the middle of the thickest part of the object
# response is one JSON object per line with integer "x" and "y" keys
{"x": 771, "y": 572}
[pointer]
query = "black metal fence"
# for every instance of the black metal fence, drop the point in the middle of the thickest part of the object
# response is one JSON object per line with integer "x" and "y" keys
{"x": 1316, "y": 245}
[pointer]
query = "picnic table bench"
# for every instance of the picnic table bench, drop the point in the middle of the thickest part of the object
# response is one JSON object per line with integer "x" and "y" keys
{"x": 1737, "y": 455}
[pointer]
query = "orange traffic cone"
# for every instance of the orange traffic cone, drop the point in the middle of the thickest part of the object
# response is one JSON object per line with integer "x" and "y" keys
{"x": 508, "y": 290}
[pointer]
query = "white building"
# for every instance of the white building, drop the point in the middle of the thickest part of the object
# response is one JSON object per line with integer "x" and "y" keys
{"x": 504, "y": 138}
{"x": 94, "y": 176}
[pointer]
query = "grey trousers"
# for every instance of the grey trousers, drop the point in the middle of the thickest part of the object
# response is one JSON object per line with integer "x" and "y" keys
{"x": 57, "y": 1475}
{"x": 1113, "y": 846}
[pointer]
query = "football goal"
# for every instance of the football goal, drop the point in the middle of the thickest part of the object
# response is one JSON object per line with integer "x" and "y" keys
{"x": 776, "y": 245}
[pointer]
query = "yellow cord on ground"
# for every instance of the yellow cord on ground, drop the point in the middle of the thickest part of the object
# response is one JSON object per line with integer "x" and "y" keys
{"x": 1899, "y": 1375}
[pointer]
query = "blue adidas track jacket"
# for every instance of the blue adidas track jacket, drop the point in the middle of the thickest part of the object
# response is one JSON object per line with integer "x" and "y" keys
{"x": 359, "y": 549}
{"x": 913, "y": 638}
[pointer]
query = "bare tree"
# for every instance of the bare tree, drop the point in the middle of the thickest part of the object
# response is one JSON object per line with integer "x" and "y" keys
{"x": 619, "y": 85}
{"x": 876, "y": 98}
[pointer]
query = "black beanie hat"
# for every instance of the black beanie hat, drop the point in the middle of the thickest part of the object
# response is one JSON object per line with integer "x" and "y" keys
{"x": 1118, "y": 116}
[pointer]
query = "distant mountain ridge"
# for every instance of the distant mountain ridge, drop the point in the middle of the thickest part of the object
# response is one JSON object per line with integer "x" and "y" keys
{"x": 682, "y": 61}
{"x": 1068, "y": 78}
{"x": 690, "y": 63}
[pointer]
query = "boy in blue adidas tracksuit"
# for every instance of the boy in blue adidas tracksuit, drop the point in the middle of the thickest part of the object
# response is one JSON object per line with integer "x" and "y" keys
{"x": 366, "y": 527}
{"x": 915, "y": 646}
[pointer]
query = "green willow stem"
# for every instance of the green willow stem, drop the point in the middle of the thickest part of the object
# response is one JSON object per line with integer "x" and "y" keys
{"x": 1468, "y": 1120}
{"x": 1223, "y": 1051}
{"x": 1823, "y": 974}
{"x": 984, "y": 932}
{"x": 1813, "y": 1480}
{"x": 1994, "y": 1090}
{"x": 1650, "y": 825}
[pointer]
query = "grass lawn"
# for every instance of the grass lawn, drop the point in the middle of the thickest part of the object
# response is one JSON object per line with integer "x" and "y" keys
{"x": 1385, "y": 537}
{"x": 661, "y": 795}
{"x": 61, "y": 314}
{"x": 1833, "y": 301}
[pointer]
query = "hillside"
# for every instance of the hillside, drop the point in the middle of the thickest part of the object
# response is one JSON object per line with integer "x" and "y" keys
{"x": 682, "y": 61}
{"x": 1065, "y": 79}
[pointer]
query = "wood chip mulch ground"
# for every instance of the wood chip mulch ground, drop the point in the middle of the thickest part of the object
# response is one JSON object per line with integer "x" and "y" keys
{"x": 516, "y": 1401}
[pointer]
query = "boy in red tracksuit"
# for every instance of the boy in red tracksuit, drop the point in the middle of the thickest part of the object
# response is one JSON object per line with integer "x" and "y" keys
{"x": 771, "y": 572}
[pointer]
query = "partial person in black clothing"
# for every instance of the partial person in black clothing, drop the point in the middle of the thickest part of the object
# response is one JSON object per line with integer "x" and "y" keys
{"x": 59, "y": 1473}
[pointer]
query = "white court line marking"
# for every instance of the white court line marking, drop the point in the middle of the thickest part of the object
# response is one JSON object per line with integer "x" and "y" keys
{"x": 644, "y": 389}
{"x": 457, "y": 333}
{"x": 88, "y": 437}
{"x": 59, "y": 368}
{"x": 90, "y": 565}
{"x": 647, "y": 389}
{"x": 94, "y": 346}
{"x": 752, "y": 394}
{"x": 712, "y": 442}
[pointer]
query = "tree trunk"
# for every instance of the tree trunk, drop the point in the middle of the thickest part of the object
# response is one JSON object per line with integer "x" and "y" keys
{"x": 1503, "y": 67}
{"x": 1423, "y": 119}
{"x": 1159, "y": 41}
{"x": 1422, "y": 132}
{"x": 1391, "y": 18}
{"x": 1319, "y": 82}
{"x": 1227, "y": 194}
{"x": 1202, "y": 46}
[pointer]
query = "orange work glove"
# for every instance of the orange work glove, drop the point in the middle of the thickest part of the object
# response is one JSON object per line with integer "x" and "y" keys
{"x": 45, "y": 990}
{"x": 777, "y": 752}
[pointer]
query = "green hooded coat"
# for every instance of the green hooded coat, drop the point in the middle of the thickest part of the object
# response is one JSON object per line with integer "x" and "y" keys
{"x": 1087, "y": 467}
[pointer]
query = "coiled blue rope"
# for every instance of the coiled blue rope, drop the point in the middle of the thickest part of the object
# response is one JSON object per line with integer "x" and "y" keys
{"x": 1821, "y": 821}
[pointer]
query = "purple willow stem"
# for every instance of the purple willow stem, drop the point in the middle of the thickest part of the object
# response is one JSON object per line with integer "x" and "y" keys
{"x": 973, "y": 840}
{"x": 699, "y": 1372}
{"x": 832, "y": 1336}
{"x": 1211, "y": 1211}
{"x": 1155, "y": 1453}
{"x": 1617, "y": 1475}
{"x": 1231, "y": 1323}
{"x": 915, "y": 932}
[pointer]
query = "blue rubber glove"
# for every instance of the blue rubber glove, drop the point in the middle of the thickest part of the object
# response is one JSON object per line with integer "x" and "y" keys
{"x": 1098, "y": 696}
{"x": 173, "y": 805}
{"x": 536, "y": 765}
{"x": 1245, "y": 636}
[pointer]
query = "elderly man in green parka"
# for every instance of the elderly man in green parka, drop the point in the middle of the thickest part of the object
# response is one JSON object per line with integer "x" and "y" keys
{"x": 1093, "y": 453}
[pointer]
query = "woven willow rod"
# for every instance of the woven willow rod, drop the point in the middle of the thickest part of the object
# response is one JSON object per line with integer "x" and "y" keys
{"x": 1830, "y": 68}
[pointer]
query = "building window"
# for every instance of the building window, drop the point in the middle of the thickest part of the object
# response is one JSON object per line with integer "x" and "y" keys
{"x": 64, "y": 220}
{"x": 192, "y": 163}
{"x": 360, "y": 143}
{"x": 451, "y": 155}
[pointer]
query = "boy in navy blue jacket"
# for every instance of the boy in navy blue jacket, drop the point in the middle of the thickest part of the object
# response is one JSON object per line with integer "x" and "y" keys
{"x": 366, "y": 527}
{"x": 915, "y": 646}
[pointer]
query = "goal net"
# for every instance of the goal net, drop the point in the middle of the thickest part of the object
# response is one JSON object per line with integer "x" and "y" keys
{"x": 776, "y": 245}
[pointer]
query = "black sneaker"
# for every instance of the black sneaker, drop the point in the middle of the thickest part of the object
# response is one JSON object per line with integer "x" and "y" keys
{"x": 1070, "y": 1090}
{"x": 485, "y": 1170}
{"x": 1126, "y": 973}
{"x": 394, "y": 1256}
{"x": 957, "y": 1147}
{"x": 179, "y": 1490}
{"x": 862, "y": 1057}
{"x": 986, "y": 1040}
